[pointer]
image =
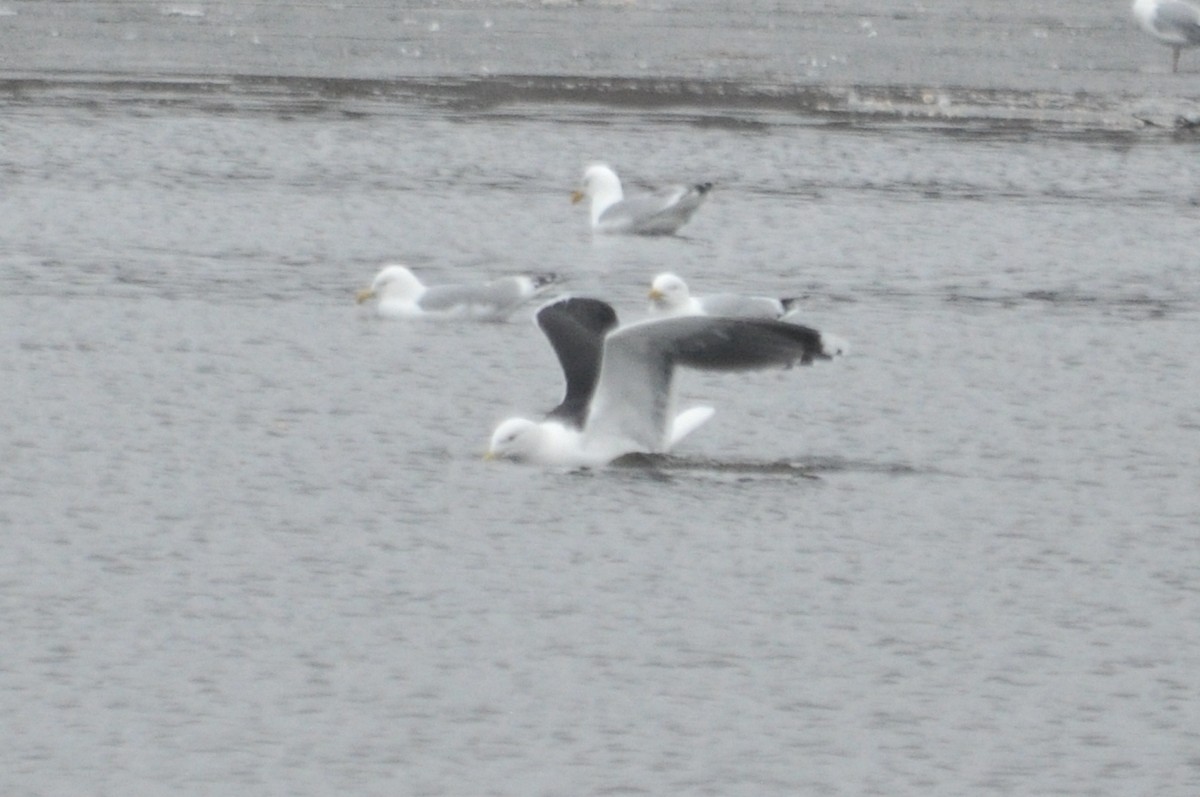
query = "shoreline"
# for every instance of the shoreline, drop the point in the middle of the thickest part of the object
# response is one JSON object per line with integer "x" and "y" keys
{"x": 744, "y": 102}
{"x": 1070, "y": 67}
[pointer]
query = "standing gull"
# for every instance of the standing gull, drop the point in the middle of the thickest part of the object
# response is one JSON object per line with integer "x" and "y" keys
{"x": 669, "y": 295}
{"x": 1173, "y": 22}
{"x": 619, "y": 397}
{"x": 402, "y": 295}
{"x": 660, "y": 213}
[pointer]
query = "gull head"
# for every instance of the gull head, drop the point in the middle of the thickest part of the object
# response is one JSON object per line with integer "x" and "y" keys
{"x": 600, "y": 184}
{"x": 668, "y": 292}
{"x": 392, "y": 281}
{"x": 518, "y": 439}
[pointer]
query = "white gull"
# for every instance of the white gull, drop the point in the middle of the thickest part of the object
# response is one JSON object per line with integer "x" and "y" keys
{"x": 401, "y": 295}
{"x": 659, "y": 213}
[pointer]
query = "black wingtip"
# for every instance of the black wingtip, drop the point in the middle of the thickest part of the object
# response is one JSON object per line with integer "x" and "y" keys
{"x": 789, "y": 304}
{"x": 703, "y": 188}
{"x": 542, "y": 280}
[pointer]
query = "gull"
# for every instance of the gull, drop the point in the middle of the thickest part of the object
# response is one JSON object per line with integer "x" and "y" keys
{"x": 660, "y": 213}
{"x": 619, "y": 397}
{"x": 1173, "y": 22}
{"x": 402, "y": 295}
{"x": 669, "y": 295}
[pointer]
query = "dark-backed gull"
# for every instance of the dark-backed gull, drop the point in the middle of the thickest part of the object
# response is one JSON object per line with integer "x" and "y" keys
{"x": 619, "y": 398}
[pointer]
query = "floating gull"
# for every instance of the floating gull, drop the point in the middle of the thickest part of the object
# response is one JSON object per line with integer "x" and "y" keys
{"x": 1173, "y": 22}
{"x": 669, "y": 295}
{"x": 619, "y": 397}
{"x": 401, "y": 295}
{"x": 660, "y": 213}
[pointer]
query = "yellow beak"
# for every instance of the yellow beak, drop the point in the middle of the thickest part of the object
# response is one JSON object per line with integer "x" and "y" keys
{"x": 362, "y": 296}
{"x": 577, "y": 196}
{"x": 655, "y": 294}
{"x": 489, "y": 456}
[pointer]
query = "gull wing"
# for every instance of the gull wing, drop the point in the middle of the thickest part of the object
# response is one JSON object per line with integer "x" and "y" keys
{"x": 729, "y": 304}
{"x": 661, "y": 213}
{"x": 495, "y": 299}
{"x": 633, "y": 401}
{"x": 576, "y": 328}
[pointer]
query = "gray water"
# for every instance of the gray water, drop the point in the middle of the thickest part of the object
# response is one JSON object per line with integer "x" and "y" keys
{"x": 252, "y": 547}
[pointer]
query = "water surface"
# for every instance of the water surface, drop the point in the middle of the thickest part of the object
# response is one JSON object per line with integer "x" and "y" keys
{"x": 253, "y": 548}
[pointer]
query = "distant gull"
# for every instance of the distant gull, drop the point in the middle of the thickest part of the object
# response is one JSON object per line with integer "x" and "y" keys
{"x": 660, "y": 213}
{"x": 669, "y": 295}
{"x": 1173, "y": 22}
{"x": 401, "y": 295}
{"x": 619, "y": 397}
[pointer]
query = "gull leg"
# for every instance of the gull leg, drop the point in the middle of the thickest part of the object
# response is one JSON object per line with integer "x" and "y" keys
{"x": 1175, "y": 58}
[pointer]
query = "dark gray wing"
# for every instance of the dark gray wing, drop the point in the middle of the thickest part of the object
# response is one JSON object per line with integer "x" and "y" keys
{"x": 633, "y": 399}
{"x": 746, "y": 344}
{"x": 576, "y": 328}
